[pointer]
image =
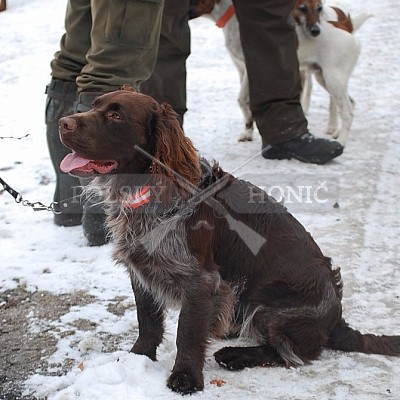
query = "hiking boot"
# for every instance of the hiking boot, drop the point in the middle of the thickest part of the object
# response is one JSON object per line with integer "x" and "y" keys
{"x": 60, "y": 101}
{"x": 94, "y": 228}
{"x": 94, "y": 217}
{"x": 67, "y": 219}
{"x": 306, "y": 148}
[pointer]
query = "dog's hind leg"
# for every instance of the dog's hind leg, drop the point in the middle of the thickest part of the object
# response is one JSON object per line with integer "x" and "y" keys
{"x": 345, "y": 108}
{"x": 332, "y": 125}
{"x": 237, "y": 358}
{"x": 333, "y": 118}
{"x": 340, "y": 102}
{"x": 290, "y": 337}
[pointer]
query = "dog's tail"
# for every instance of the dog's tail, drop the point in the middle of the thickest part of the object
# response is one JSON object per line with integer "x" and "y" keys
{"x": 347, "y": 339}
{"x": 359, "y": 20}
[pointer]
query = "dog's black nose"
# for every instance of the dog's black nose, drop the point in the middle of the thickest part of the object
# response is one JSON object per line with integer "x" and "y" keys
{"x": 315, "y": 30}
{"x": 67, "y": 124}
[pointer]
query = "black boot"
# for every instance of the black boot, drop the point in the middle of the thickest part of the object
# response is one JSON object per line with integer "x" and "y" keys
{"x": 61, "y": 96}
{"x": 306, "y": 148}
{"x": 93, "y": 220}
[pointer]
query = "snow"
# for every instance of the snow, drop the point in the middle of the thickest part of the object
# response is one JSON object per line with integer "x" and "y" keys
{"x": 362, "y": 235}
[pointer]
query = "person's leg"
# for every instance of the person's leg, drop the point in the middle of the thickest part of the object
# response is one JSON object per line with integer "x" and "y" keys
{"x": 270, "y": 47}
{"x": 270, "y": 44}
{"x": 124, "y": 42}
{"x": 168, "y": 82}
{"x": 68, "y": 62}
{"x": 60, "y": 101}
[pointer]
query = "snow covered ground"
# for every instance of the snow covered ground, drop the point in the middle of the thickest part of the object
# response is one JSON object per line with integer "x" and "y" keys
{"x": 362, "y": 234}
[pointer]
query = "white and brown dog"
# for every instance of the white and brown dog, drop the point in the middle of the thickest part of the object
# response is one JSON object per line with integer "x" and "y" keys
{"x": 327, "y": 49}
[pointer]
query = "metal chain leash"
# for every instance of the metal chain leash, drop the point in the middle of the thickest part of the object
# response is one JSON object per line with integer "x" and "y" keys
{"x": 13, "y": 137}
{"x": 37, "y": 205}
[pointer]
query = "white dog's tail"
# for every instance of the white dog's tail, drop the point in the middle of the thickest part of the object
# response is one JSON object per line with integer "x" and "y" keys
{"x": 359, "y": 20}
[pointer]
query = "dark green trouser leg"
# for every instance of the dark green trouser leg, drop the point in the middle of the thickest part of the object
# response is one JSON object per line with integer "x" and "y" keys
{"x": 59, "y": 103}
{"x": 106, "y": 45}
{"x": 270, "y": 47}
{"x": 168, "y": 82}
{"x": 124, "y": 43}
{"x": 68, "y": 62}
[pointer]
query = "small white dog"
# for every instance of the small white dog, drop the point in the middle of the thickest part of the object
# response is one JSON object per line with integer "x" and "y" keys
{"x": 327, "y": 48}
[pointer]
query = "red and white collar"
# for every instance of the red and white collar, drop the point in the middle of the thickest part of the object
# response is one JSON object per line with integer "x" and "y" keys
{"x": 141, "y": 197}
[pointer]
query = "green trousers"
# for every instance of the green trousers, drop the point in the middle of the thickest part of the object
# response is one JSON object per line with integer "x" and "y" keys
{"x": 108, "y": 43}
{"x": 270, "y": 47}
{"x": 168, "y": 82}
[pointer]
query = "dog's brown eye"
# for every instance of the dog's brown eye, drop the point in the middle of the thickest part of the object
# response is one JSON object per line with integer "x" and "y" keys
{"x": 319, "y": 8}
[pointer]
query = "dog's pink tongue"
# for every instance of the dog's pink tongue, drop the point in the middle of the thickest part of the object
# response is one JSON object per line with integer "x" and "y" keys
{"x": 72, "y": 161}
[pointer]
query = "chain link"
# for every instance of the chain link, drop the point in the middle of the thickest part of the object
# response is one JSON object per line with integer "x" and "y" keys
{"x": 37, "y": 205}
{"x": 14, "y": 137}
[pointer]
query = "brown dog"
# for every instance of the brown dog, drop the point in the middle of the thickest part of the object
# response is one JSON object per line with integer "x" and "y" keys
{"x": 235, "y": 261}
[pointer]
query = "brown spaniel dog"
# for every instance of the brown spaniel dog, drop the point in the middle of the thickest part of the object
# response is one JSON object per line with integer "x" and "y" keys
{"x": 191, "y": 235}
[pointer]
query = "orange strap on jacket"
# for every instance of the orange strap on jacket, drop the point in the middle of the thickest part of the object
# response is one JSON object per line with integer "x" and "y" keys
{"x": 229, "y": 13}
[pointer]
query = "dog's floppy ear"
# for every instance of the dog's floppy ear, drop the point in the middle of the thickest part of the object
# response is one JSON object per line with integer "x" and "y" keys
{"x": 174, "y": 149}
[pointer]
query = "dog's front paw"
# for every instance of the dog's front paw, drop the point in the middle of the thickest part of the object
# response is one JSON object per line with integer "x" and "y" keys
{"x": 333, "y": 132}
{"x": 184, "y": 382}
{"x": 246, "y": 136}
{"x": 143, "y": 348}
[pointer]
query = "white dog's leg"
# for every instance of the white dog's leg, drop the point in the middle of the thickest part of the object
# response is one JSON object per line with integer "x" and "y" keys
{"x": 306, "y": 83}
{"x": 337, "y": 87}
{"x": 244, "y": 104}
{"x": 333, "y": 116}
